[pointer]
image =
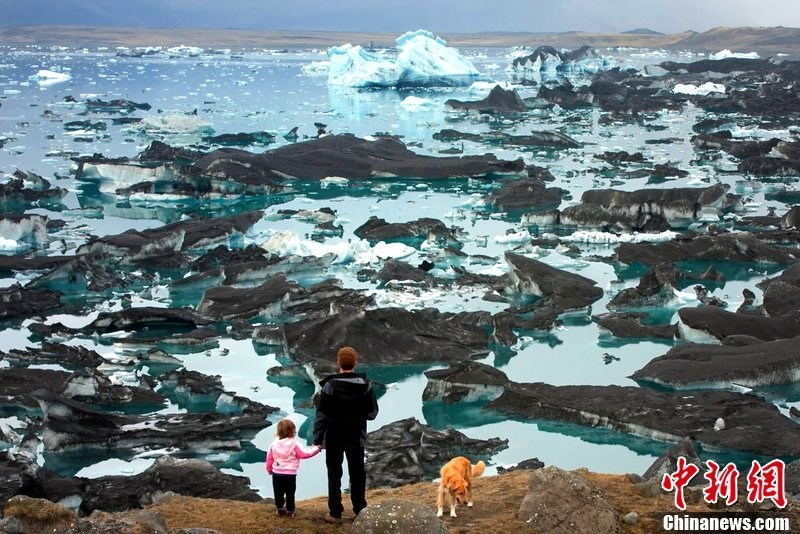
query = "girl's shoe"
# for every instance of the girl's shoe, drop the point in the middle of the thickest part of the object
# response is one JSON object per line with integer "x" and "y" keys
{"x": 280, "y": 512}
{"x": 292, "y": 514}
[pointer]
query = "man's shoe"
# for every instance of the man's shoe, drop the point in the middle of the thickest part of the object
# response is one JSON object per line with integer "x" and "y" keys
{"x": 333, "y": 519}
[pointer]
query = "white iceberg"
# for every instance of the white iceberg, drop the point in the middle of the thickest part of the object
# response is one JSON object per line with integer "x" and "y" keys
{"x": 315, "y": 68}
{"x": 174, "y": 124}
{"x": 702, "y": 90}
{"x": 423, "y": 60}
{"x": 414, "y": 103}
{"x": 49, "y": 77}
{"x": 726, "y": 54}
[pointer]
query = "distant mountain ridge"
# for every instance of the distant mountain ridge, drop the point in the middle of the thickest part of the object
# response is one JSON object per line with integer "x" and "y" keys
{"x": 766, "y": 41}
{"x": 642, "y": 31}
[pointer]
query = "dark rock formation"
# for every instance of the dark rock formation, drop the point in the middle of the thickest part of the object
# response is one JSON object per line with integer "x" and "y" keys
{"x": 720, "y": 324}
{"x": 562, "y": 289}
{"x": 406, "y": 451}
{"x": 348, "y": 156}
{"x": 753, "y": 365}
{"x": 499, "y": 101}
{"x": 565, "y": 502}
{"x": 563, "y": 95}
{"x": 530, "y": 464}
{"x": 525, "y": 193}
{"x": 387, "y": 335}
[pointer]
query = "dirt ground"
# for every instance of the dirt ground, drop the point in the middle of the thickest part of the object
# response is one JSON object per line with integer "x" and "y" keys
{"x": 497, "y": 500}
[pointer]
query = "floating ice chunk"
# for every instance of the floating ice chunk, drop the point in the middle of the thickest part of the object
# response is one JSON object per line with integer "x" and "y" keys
{"x": 315, "y": 68}
{"x": 337, "y": 181}
{"x": 423, "y": 60}
{"x": 8, "y": 244}
{"x": 702, "y": 90}
{"x": 514, "y": 237}
{"x": 352, "y": 66}
{"x": 11, "y": 91}
{"x": 176, "y": 124}
{"x": 588, "y": 236}
{"x": 385, "y": 251}
{"x": 726, "y": 54}
{"x": 49, "y": 77}
{"x": 412, "y": 103}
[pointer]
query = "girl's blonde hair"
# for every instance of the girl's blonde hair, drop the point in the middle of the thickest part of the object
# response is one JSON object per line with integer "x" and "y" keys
{"x": 286, "y": 429}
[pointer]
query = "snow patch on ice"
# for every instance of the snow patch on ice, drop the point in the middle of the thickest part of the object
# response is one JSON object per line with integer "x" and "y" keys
{"x": 726, "y": 54}
{"x": 702, "y": 90}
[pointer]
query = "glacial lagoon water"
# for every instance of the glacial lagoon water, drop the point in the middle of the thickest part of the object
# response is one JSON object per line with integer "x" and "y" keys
{"x": 259, "y": 90}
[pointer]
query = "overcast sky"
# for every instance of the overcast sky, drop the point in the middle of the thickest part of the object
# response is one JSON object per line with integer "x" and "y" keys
{"x": 452, "y": 16}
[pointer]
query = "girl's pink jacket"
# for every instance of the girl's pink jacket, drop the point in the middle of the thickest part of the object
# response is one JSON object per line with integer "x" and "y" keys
{"x": 285, "y": 454}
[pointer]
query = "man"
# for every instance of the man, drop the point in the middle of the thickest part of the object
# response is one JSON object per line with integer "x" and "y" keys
{"x": 346, "y": 403}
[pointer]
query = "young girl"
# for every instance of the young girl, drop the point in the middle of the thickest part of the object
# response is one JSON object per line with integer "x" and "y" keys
{"x": 283, "y": 461}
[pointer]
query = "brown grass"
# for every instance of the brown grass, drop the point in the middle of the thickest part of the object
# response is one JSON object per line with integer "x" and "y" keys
{"x": 497, "y": 501}
{"x": 39, "y": 515}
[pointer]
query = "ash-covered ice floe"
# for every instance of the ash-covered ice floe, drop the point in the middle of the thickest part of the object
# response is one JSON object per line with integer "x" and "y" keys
{"x": 548, "y": 60}
{"x": 548, "y": 139}
{"x": 733, "y": 246}
{"x": 195, "y": 387}
{"x": 233, "y": 172}
{"x": 406, "y": 452}
{"x": 390, "y": 335}
{"x": 659, "y": 286}
{"x": 120, "y": 493}
{"x": 719, "y": 324}
{"x": 69, "y": 424}
{"x": 423, "y": 60}
{"x": 649, "y": 210}
{"x": 169, "y": 241}
{"x": 629, "y": 325}
{"x": 22, "y": 302}
{"x": 24, "y": 188}
{"x": 560, "y": 289}
{"x": 499, "y": 101}
{"x": 725, "y": 366}
{"x": 752, "y": 425}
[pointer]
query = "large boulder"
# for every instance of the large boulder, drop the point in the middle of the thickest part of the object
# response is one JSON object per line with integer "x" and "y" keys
{"x": 565, "y": 502}
{"x": 397, "y": 515}
{"x": 667, "y": 463}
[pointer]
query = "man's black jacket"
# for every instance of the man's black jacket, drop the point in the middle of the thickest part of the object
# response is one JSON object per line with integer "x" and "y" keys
{"x": 346, "y": 403}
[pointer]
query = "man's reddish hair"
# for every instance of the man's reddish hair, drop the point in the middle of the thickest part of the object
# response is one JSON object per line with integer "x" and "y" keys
{"x": 346, "y": 358}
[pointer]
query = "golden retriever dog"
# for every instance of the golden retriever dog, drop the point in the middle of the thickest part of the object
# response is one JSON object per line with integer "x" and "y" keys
{"x": 456, "y": 481}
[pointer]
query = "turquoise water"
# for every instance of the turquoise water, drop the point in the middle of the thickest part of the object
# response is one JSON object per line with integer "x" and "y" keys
{"x": 263, "y": 90}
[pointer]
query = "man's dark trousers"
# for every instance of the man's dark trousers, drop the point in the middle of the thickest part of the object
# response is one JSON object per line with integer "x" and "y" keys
{"x": 334, "y": 457}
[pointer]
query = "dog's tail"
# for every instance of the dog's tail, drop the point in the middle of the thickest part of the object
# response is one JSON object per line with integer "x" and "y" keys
{"x": 477, "y": 469}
